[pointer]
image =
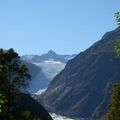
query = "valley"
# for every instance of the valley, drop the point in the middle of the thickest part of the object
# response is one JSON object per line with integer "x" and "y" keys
{"x": 59, "y": 60}
{"x": 44, "y": 68}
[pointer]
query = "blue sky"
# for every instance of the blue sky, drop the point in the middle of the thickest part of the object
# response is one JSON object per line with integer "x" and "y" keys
{"x": 66, "y": 26}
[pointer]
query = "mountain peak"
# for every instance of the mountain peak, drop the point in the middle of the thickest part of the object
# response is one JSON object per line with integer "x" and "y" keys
{"x": 51, "y": 52}
{"x": 50, "y": 55}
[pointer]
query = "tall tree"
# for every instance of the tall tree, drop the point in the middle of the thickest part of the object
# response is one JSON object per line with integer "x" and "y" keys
{"x": 114, "y": 107}
{"x": 14, "y": 77}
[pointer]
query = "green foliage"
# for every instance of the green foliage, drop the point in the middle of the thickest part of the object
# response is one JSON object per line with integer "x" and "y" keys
{"x": 26, "y": 115}
{"x": 1, "y": 67}
{"x": 1, "y": 101}
{"x": 14, "y": 77}
{"x": 114, "y": 107}
{"x": 117, "y": 45}
{"x": 36, "y": 118}
{"x": 117, "y": 48}
{"x": 117, "y": 16}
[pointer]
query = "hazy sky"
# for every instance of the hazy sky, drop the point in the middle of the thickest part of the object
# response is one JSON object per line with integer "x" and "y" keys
{"x": 66, "y": 26}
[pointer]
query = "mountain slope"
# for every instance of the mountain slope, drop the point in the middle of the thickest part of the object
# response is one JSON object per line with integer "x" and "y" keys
{"x": 38, "y": 80}
{"x": 26, "y": 103}
{"x": 83, "y": 88}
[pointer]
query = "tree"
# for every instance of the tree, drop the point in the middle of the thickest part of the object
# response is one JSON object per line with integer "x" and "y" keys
{"x": 2, "y": 101}
{"x": 117, "y": 45}
{"x": 114, "y": 107}
{"x": 117, "y": 16}
{"x": 1, "y": 96}
{"x": 14, "y": 77}
{"x": 117, "y": 48}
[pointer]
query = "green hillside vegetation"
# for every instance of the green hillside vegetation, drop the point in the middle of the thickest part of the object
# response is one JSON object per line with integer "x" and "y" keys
{"x": 114, "y": 107}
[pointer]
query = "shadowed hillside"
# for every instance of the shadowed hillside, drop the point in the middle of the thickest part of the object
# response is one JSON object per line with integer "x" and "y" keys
{"x": 83, "y": 88}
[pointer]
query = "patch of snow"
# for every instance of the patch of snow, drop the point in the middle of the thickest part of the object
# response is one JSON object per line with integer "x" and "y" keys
{"x": 69, "y": 57}
{"x": 40, "y": 91}
{"x": 52, "y": 62}
{"x": 59, "y": 117}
